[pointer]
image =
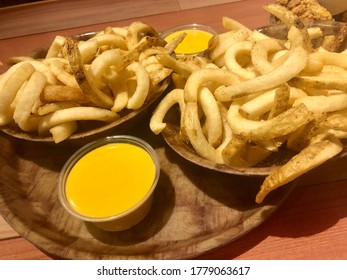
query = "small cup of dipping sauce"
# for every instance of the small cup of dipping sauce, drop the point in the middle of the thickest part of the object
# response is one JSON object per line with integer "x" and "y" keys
{"x": 196, "y": 40}
{"x": 110, "y": 182}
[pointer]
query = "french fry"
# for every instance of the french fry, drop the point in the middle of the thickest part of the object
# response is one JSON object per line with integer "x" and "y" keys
{"x": 63, "y": 131}
{"x": 103, "y": 62}
{"x": 234, "y": 152}
{"x": 321, "y": 103}
{"x": 232, "y": 60}
{"x": 156, "y": 70}
{"x": 178, "y": 67}
{"x": 260, "y": 54}
{"x": 213, "y": 120}
{"x": 84, "y": 78}
{"x": 139, "y": 95}
{"x": 57, "y": 93}
{"x": 225, "y": 40}
{"x": 30, "y": 95}
{"x": 336, "y": 120}
{"x": 57, "y": 67}
{"x": 322, "y": 81}
{"x": 55, "y": 106}
{"x": 45, "y": 70}
{"x": 227, "y": 133}
{"x": 9, "y": 86}
{"x": 118, "y": 86}
{"x": 56, "y": 47}
{"x": 176, "y": 96}
{"x": 291, "y": 20}
{"x": 283, "y": 124}
{"x": 300, "y": 138}
{"x": 281, "y": 100}
{"x": 192, "y": 128}
{"x": 230, "y": 24}
{"x": 75, "y": 114}
{"x": 113, "y": 41}
{"x": 88, "y": 50}
{"x": 136, "y": 31}
{"x": 258, "y": 106}
{"x": 17, "y": 59}
{"x": 307, "y": 159}
{"x": 207, "y": 76}
{"x": 330, "y": 58}
{"x": 157, "y": 73}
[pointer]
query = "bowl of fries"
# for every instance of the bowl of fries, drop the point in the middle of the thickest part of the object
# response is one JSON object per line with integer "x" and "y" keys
{"x": 84, "y": 87}
{"x": 274, "y": 104}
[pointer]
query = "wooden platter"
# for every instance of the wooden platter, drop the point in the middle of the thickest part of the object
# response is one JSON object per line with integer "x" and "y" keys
{"x": 195, "y": 209}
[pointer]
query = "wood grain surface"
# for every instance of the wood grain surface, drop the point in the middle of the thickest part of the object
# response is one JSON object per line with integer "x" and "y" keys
{"x": 195, "y": 210}
{"x": 310, "y": 224}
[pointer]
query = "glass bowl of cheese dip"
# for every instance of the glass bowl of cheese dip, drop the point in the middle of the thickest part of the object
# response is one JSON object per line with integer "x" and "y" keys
{"x": 196, "y": 40}
{"x": 110, "y": 182}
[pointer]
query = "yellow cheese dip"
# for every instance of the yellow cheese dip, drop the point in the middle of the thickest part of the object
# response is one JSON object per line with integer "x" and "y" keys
{"x": 195, "y": 41}
{"x": 110, "y": 180}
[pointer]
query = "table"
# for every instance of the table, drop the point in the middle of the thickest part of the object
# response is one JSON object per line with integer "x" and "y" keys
{"x": 310, "y": 224}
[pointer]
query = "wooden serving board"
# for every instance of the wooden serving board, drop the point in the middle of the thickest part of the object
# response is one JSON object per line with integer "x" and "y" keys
{"x": 194, "y": 210}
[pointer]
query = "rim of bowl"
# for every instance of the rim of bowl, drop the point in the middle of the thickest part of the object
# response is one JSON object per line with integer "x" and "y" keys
{"x": 76, "y": 156}
{"x": 193, "y": 26}
{"x": 189, "y": 26}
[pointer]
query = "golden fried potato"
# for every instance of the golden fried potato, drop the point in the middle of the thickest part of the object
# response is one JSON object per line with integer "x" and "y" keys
{"x": 261, "y": 95}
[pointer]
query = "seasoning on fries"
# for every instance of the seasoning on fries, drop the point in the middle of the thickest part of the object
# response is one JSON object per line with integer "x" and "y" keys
{"x": 251, "y": 96}
{"x": 265, "y": 94}
{"x": 92, "y": 80}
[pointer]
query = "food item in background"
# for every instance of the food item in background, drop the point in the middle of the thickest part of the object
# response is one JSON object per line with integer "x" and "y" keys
{"x": 316, "y": 9}
{"x": 99, "y": 79}
{"x": 335, "y": 43}
{"x": 271, "y": 95}
{"x": 306, "y": 9}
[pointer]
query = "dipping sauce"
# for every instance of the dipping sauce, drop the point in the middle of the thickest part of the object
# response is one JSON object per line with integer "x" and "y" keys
{"x": 110, "y": 180}
{"x": 196, "y": 40}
